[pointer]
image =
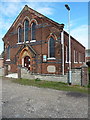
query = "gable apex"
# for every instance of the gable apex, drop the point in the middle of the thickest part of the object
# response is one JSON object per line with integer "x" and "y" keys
{"x": 32, "y": 11}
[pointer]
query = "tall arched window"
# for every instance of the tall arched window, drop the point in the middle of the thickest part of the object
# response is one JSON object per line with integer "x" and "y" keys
{"x": 33, "y": 31}
{"x": 8, "y": 52}
{"x": 26, "y": 28}
{"x": 19, "y": 34}
{"x": 51, "y": 47}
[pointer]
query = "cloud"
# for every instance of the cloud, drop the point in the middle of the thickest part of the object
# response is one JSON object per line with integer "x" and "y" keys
{"x": 5, "y": 25}
{"x": 80, "y": 33}
{"x": 45, "y": 10}
{"x": 1, "y": 44}
{"x": 10, "y": 9}
{"x": 72, "y": 23}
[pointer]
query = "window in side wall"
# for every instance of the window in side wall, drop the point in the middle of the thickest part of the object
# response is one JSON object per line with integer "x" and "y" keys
{"x": 75, "y": 56}
{"x": 83, "y": 57}
{"x": 67, "y": 54}
{"x": 26, "y": 29}
{"x": 76, "y": 59}
{"x": 51, "y": 48}
{"x": 33, "y": 31}
{"x": 79, "y": 57}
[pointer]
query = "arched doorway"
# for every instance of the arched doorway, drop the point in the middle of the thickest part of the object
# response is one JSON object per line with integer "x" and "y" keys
{"x": 27, "y": 62}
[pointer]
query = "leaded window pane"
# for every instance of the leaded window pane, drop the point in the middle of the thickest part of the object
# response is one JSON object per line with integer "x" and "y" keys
{"x": 26, "y": 30}
{"x": 52, "y": 47}
{"x": 19, "y": 34}
{"x": 33, "y": 31}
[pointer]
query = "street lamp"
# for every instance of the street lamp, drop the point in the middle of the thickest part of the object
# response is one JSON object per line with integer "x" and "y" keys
{"x": 68, "y": 8}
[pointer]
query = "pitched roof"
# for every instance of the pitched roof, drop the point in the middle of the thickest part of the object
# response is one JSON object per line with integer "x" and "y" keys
{"x": 36, "y": 13}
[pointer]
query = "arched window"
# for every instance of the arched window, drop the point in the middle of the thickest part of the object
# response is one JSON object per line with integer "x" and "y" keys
{"x": 51, "y": 47}
{"x": 19, "y": 34}
{"x": 33, "y": 31}
{"x": 8, "y": 52}
{"x": 26, "y": 28}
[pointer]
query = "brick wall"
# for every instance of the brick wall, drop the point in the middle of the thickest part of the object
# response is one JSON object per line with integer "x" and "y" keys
{"x": 79, "y": 76}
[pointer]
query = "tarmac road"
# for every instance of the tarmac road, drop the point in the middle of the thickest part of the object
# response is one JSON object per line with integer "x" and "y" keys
{"x": 19, "y": 101}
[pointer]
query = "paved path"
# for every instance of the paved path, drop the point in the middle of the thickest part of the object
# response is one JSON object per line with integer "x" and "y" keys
{"x": 13, "y": 75}
{"x": 21, "y": 101}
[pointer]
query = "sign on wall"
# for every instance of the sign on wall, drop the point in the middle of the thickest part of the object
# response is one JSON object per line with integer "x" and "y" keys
{"x": 51, "y": 69}
{"x": 44, "y": 58}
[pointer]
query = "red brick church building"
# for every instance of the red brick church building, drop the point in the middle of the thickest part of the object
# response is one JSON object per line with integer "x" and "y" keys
{"x": 40, "y": 45}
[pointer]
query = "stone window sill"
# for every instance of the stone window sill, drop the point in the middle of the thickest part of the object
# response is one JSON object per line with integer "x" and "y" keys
{"x": 27, "y": 41}
{"x": 8, "y": 60}
{"x": 51, "y": 58}
{"x": 20, "y": 43}
{"x": 32, "y": 41}
{"x": 66, "y": 62}
{"x": 75, "y": 62}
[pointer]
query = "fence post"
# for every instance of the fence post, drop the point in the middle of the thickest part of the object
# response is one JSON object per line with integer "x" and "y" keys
{"x": 5, "y": 70}
{"x": 84, "y": 75}
{"x": 19, "y": 71}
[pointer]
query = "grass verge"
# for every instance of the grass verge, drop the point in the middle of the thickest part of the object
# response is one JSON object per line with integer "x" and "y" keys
{"x": 51, "y": 84}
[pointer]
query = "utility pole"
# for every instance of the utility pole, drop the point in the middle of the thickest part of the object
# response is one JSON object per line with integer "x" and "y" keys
{"x": 70, "y": 72}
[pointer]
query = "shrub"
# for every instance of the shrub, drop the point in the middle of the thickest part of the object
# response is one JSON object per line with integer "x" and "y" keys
{"x": 37, "y": 79}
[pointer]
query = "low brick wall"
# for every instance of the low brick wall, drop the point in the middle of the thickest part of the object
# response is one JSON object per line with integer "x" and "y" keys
{"x": 26, "y": 74}
{"x": 79, "y": 76}
{"x": 76, "y": 76}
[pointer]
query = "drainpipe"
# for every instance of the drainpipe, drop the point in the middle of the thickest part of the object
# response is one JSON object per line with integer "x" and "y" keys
{"x": 62, "y": 43}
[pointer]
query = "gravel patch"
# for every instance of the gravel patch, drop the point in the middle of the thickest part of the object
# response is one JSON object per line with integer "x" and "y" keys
{"x": 21, "y": 101}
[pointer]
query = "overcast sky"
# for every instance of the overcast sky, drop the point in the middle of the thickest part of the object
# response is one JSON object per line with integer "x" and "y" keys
{"x": 54, "y": 10}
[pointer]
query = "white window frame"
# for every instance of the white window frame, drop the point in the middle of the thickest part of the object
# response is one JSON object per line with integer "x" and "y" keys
{"x": 76, "y": 57}
{"x": 31, "y": 33}
{"x": 18, "y": 37}
{"x": 18, "y": 34}
{"x": 8, "y": 60}
{"x": 22, "y": 62}
{"x": 24, "y": 32}
{"x": 50, "y": 58}
{"x": 80, "y": 57}
{"x": 66, "y": 55}
{"x": 75, "y": 53}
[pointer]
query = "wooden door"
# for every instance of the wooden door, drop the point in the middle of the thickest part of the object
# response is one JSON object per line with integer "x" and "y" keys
{"x": 27, "y": 62}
